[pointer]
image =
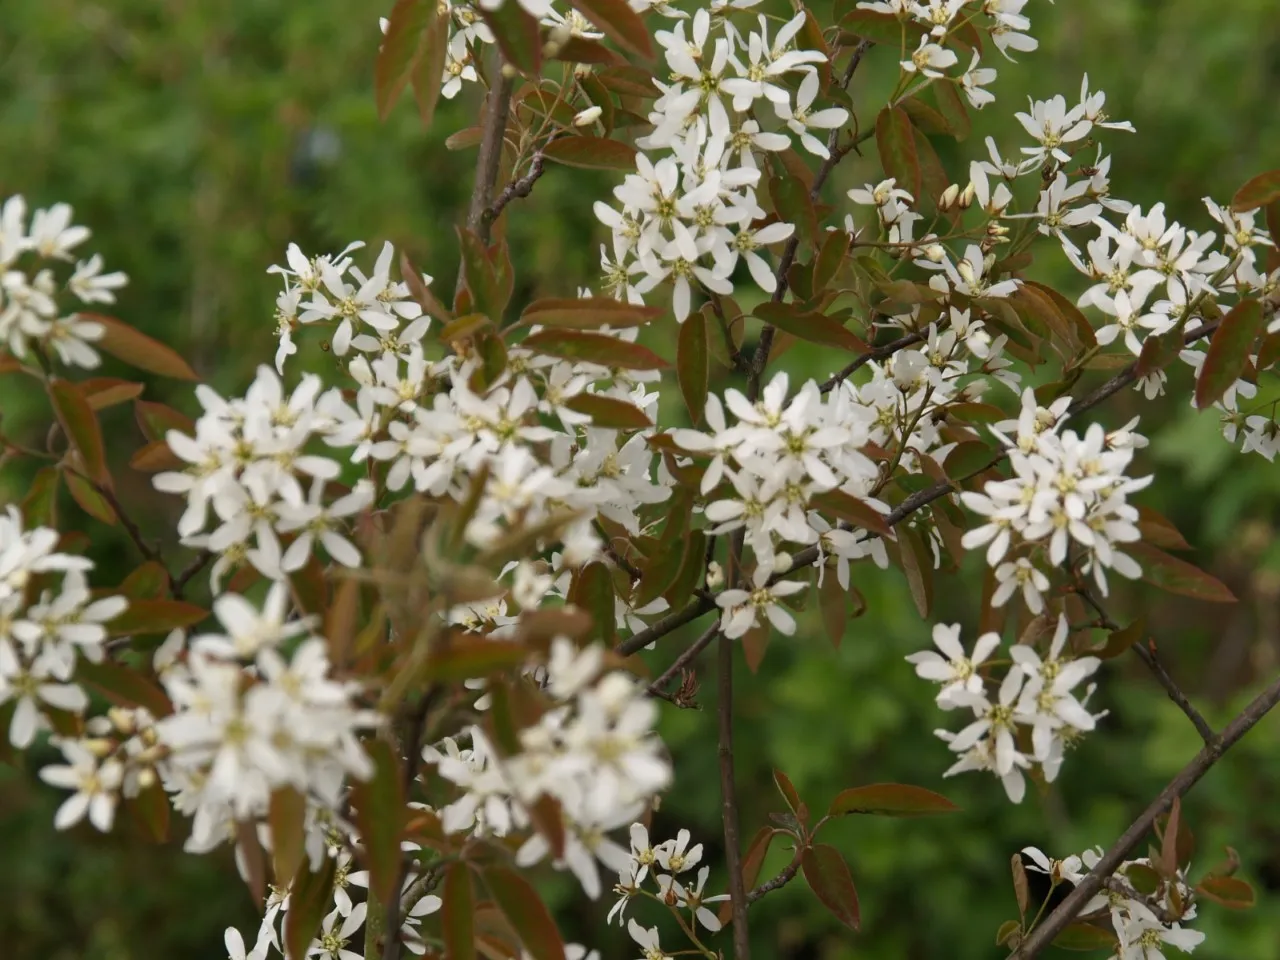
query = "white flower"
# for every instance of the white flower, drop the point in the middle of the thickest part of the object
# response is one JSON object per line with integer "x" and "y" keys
{"x": 956, "y": 672}
{"x": 96, "y": 785}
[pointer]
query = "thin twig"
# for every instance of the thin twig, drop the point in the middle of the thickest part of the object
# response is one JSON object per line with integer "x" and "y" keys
{"x": 1116, "y": 885}
{"x": 879, "y": 353}
{"x": 683, "y": 661}
{"x": 1212, "y": 752}
{"x": 516, "y": 188}
{"x": 195, "y": 566}
{"x": 785, "y": 876}
{"x": 130, "y": 525}
{"x": 1148, "y": 656}
{"x": 729, "y": 803}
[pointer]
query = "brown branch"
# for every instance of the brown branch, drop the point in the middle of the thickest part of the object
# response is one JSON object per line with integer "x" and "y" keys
{"x": 785, "y": 876}
{"x": 516, "y": 188}
{"x": 879, "y": 353}
{"x": 683, "y": 661}
{"x": 729, "y": 803}
{"x": 497, "y": 107}
{"x": 195, "y": 566}
{"x": 1148, "y": 656}
{"x": 1116, "y": 885}
{"x": 1212, "y": 752}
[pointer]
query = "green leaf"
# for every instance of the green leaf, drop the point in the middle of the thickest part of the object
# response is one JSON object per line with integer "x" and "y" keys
{"x": 953, "y": 108}
{"x": 830, "y": 258}
{"x": 287, "y": 816}
{"x": 480, "y": 275}
{"x": 591, "y": 153}
{"x": 896, "y": 142}
{"x": 791, "y": 200}
{"x": 1258, "y": 192}
{"x": 594, "y": 348}
{"x": 525, "y": 911}
{"x": 917, "y": 564}
{"x": 1142, "y": 878}
{"x": 155, "y": 420}
{"x": 428, "y": 70}
{"x": 845, "y": 506}
{"x": 693, "y": 363}
{"x": 155, "y": 616}
{"x": 967, "y": 459}
{"x": 609, "y": 412}
{"x": 466, "y": 657}
{"x": 828, "y": 877}
{"x": 1229, "y": 351}
{"x": 593, "y": 591}
{"x": 587, "y": 313}
{"x": 667, "y": 560}
{"x": 891, "y": 800}
{"x": 619, "y": 22}
{"x": 1118, "y": 641}
{"x": 40, "y": 505}
{"x": 458, "y": 914}
{"x": 1230, "y": 892}
{"x": 379, "y": 809}
{"x": 309, "y": 900}
{"x": 89, "y": 499}
{"x": 1177, "y": 576}
{"x": 138, "y": 350}
{"x": 149, "y": 581}
{"x": 933, "y": 178}
{"x": 1007, "y": 930}
{"x": 1084, "y": 936}
{"x": 517, "y": 34}
{"x": 124, "y": 686}
{"x": 812, "y": 327}
{"x": 103, "y": 392}
{"x": 402, "y": 47}
{"x": 81, "y": 428}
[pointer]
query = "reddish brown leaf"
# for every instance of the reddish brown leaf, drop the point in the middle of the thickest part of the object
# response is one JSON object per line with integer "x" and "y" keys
{"x": 693, "y": 364}
{"x": 103, "y": 392}
{"x": 1258, "y": 192}
{"x": 80, "y": 425}
{"x": 155, "y": 616}
{"x": 828, "y": 877}
{"x": 379, "y": 810}
{"x": 86, "y": 495}
{"x": 895, "y": 140}
{"x": 752, "y": 862}
{"x": 594, "y": 348}
{"x": 1177, "y": 576}
{"x": 124, "y": 686}
{"x": 525, "y": 911}
{"x": 609, "y": 412}
{"x": 457, "y": 916}
{"x": 309, "y": 900}
{"x": 402, "y": 47}
{"x": 891, "y": 800}
{"x": 619, "y": 22}
{"x": 287, "y": 817}
{"x": 591, "y": 153}
{"x": 810, "y": 326}
{"x": 138, "y": 350}
{"x": 40, "y": 505}
{"x": 151, "y": 808}
{"x": 1229, "y": 351}
{"x": 1230, "y": 892}
{"x": 587, "y": 313}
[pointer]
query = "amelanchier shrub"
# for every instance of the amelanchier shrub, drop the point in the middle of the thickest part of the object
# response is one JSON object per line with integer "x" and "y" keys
{"x": 434, "y": 565}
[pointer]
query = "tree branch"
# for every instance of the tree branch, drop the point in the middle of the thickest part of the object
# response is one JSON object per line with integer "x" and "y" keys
{"x": 1067, "y": 911}
{"x": 683, "y": 661}
{"x": 516, "y": 188}
{"x": 729, "y": 802}
{"x": 879, "y": 353}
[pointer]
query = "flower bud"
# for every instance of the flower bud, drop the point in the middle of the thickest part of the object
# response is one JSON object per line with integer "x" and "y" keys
{"x": 99, "y": 746}
{"x": 935, "y": 252}
{"x": 122, "y": 719}
{"x": 509, "y": 72}
{"x": 146, "y": 778}
{"x": 966, "y": 198}
{"x": 949, "y": 197}
{"x": 782, "y": 562}
{"x": 587, "y": 116}
{"x": 715, "y": 575}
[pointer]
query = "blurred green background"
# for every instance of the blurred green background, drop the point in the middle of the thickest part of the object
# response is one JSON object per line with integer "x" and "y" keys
{"x": 198, "y": 138}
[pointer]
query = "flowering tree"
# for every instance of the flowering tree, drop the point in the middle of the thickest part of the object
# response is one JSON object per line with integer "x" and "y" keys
{"x": 434, "y": 566}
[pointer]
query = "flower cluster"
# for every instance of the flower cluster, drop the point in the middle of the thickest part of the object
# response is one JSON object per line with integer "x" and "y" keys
{"x": 689, "y": 215}
{"x": 1065, "y": 490}
{"x": 1035, "y": 694}
{"x": 41, "y": 640}
{"x": 661, "y": 864}
{"x": 1142, "y": 923}
{"x": 29, "y": 311}
{"x": 593, "y": 750}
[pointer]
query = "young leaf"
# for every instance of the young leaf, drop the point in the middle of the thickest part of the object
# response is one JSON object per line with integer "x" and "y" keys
{"x": 882, "y": 28}
{"x": 379, "y": 808}
{"x": 828, "y": 877}
{"x": 752, "y": 861}
{"x": 402, "y": 47}
{"x": 789, "y": 795}
{"x": 693, "y": 363}
{"x": 953, "y": 109}
{"x": 155, "y": 420}
{"x": 287, "y": 816}
{"x": 80, "y": 425}
{"x": 1084, "y": 936}
{"x": 517, "y": 34}
{"x": 594, "y": 348}
{"x": 149, "y": 581}
{"x": 40, "y": 505}
{"x": 791, "y": 200}
{"x": 1230, "y": 892}
{"x": 467, "y": 657}
{"x": 918, "y": 566}
{"x": 103, "y": 392}
{"x": 428, "y": 70}
{"x": 151, "y": 808}
{"x": 593, "y": 592}
{"x": 86, "y": 495}
{"x": 525, "y": 911}
{"x": 845, "y": 506}
{"x": 1160, "y": 531}
{"x": 124, "y": 686}
{"x": 1020, "y": 883}
{"x": 609, "y": 412}
{"x": 830, "y": 258}
{"x": 896, "y": 142}
{"x": 1258, "y": 192}
{"x": 155, "y": 616}
{"x": 810, "y": 326}
{"x": 1118, "y": 641}
{"x": 831, "y": 600}
{"x": 1177, "y": 576}
{"x": 891, "y": 800}
{"x": 591, "y": 153}
{"x": 619, "y": 22}
{"x": 138, "y": 350}
{"x": 458, "y": 914}
{"x": 1229, "y": 351}
{"x": 587, "y": 313}
{"x": 309, "y": 900}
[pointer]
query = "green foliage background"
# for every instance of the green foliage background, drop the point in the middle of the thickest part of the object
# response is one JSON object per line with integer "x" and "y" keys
{"x": 199, "y": 138}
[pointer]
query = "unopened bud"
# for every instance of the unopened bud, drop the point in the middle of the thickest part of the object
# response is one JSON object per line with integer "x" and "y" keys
{"x": 949, "y": 197}
{"x": 997, "y": 230}
{"x": 146, "y": 778}
{"x": 966, "y": 198}
{"x": 587, "y": 116}
{"x": 122, "y": 719}
{"x": 715, "y": 575}
{"x": 973, "y": 390}
{"x": 935, "y": 252}
{"x": 551, "y": 48}
{"x": 509, "y": 72}
{"x": 99, "y": 746}
{"x": 782, "y": 562}
{"x": 560, "y": 34}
